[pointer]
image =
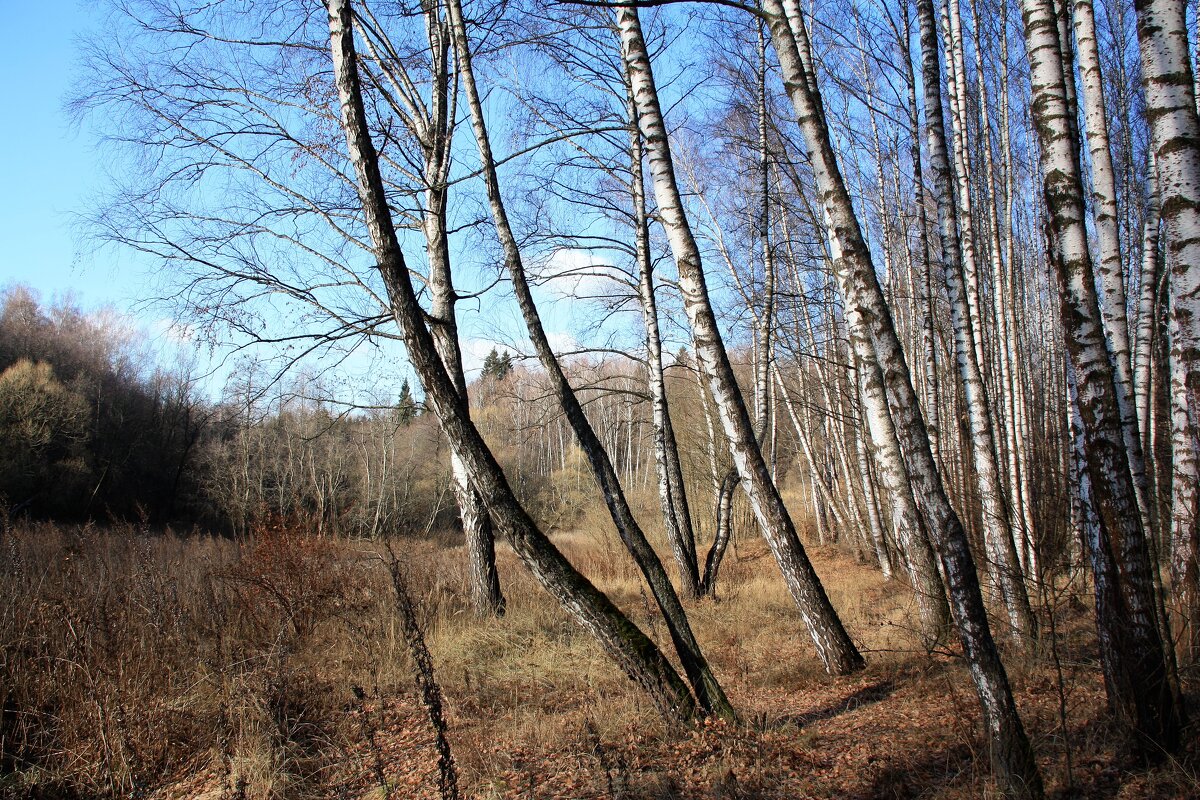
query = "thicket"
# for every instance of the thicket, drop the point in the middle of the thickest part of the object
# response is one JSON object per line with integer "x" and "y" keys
{"x": 91, "y": 427}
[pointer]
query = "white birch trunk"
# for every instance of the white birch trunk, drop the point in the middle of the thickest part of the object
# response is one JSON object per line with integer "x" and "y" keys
{"x": 1012, "y": 757}
{"x": 1171, "y": 109}
{"x": 997, "y": 527}
{"x": 620, "y": 638}
{"x": 834, "y": 646}
{"x": 1108, "y": 238}
{"x": 1136, "y": 672}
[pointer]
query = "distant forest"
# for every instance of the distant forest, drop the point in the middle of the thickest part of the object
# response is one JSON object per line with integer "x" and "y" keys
{"x": 95, "y": 428}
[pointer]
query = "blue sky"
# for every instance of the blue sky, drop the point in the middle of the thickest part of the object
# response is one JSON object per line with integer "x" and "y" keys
{"x": 49, "y": 170}
{"x": 52, "y": 170}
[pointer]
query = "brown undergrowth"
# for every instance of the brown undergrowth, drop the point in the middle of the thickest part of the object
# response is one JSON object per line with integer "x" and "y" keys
{"x": 138, "y": 665}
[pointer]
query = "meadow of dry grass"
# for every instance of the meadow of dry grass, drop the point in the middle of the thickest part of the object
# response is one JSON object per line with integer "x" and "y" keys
{"x": 139, "y": 665}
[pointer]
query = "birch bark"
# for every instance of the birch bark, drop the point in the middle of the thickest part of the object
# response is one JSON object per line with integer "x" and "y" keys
{"x": 1136, "y": 674}
{"x": 834, "y": 646}
{"x": 708, "y": 691}
{"x": 1171, "y": 109}
{"x": 621, "y": 639}
{"x": 672, "y": 495}
{"x": 997, "y": 527}
{"x": 1108, "y": 238}
{"x": 1011, "y": 754}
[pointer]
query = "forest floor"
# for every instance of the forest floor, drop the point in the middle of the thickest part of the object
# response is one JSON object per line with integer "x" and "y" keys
{"x": 319, "y": 701}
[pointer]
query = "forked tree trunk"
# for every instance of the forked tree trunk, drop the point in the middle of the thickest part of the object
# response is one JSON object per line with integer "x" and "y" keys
{"x": 1011, "y": 755}
{"x": 431, "y": 127}
{"x": 834, "y": 646}
{"x": 620, "y": 638}
{"x": 1135, "y": 669}
{"x": 724, "y": 532}
{"x": 708, "y": 691}
{"x": 486, "y": 596}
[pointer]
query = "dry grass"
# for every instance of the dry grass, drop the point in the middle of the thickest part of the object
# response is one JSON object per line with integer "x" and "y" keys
{"x": 136, "y": 665}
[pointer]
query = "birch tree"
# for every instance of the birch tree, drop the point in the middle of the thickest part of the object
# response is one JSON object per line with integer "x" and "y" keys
{"x": 432, "y": 128}
{"x": 1171, "y": 111}
{"x": 834, "y": 646}
{"x": 708, "y": 689}
{"x": 1111, "y": 260}
{"x": 998, "y": 536}
{"x": 1011, "y": 755}
{"x": 621, "y": 639}
{"x": 1132, "y": 651}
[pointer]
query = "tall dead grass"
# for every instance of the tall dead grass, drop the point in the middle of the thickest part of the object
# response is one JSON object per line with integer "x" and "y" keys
{"x": 277, "y": 667}
{"x": 130, "y": 658}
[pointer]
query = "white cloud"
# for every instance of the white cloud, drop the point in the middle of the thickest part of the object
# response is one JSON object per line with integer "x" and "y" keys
{"x": 563, "y": 342}
{"x": 475, "y": 351}
{"x": 576, "y": 273}
{"x": 173, "y": 331}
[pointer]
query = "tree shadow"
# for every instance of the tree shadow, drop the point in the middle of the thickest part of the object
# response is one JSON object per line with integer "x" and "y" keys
{"x": 863, "y": 697}
{"x": 902, "y": 780}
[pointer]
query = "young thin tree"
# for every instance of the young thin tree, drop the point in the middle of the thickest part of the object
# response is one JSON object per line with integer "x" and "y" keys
{"x": 834, "y": 645}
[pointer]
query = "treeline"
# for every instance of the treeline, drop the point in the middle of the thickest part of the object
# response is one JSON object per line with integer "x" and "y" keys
{"x": 93, "y": 428}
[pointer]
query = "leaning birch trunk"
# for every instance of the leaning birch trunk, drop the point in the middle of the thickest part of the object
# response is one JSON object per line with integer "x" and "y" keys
{"x": 997, "y": 528}
{"x": 1171, "y": 109}
{"x": 633, "y": 651}
{"x": 486, "y": 596}
{"x": 834, "y": 646}
{"x": 677, "y": 517}
{"x": 932, "y": 608}
{"x": 708, "y": 691}
{"x": 1136, "y": 674}
{"x": 1011, "y": 754}
{"x": 910, "y": 536}
{"x": 432, "y": 128}
{"x": 1108, "y": 239}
